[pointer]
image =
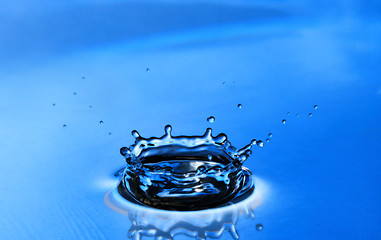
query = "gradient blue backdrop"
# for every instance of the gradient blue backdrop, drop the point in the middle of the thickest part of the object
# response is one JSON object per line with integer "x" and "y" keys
{"x": 322, "y": 172}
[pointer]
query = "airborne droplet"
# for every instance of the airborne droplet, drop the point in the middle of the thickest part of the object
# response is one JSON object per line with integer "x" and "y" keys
{"x": 259, "y": 227}
{"x": 147, "y": 69}
{"x": 210, "y": 119}
{"x": 260, "y": 143}
{"x": 270, "y": 135}
{"x": 316, "y": 106}
{"x": 297, "y": 115}
{"x": 310, "y": 114}
{"x": 268, "y": 140}
{"x": 101, "y": 122}
{"x": 239, "y": 105}
{"x": 64, "y": 126}
{"x": 284, "y": 121}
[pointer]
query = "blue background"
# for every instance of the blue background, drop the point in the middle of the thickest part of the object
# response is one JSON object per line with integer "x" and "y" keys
{"x": 322, "y": 172}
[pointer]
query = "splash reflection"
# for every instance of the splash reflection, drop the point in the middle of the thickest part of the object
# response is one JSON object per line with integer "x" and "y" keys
{"x": 165, "y": 225}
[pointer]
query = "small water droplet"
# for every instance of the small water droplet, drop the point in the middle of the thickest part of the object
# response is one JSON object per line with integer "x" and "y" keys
{"x": 260, "y": 143}
{"x": 101, "y": 122}
{"x": 83, "y": 77}
{"x": 54, "y": 104}
{"x": 147, "y": 69}
{"x": 210, "y": 157}
{"x": 109, "y": 133}
{"x": 239, "y": 105}
{"x": 168, "y": 129}
{"x": 90, "y": 106}
{"x": 259, "y": 227}
{"x": 268, "y": 140}
{"x": 316, "y": 106}
{"x": 124, "y": 151}
{"x": 210, "y": 119}
{"x": 270, "y": 135}
{"x": 223, "y": 83}
{"x": 288, "y": 113}
{"x": 297, "y": 115}
{"x": 135, "y": 134}
{"x": 64, "y": 126}
{"x": 284, "y": 121}
{"x": 74, "y": 93}
{"x": 310, "y": 114}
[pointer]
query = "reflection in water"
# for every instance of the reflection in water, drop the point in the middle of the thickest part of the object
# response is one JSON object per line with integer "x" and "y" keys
{"x": 165, "y": 225}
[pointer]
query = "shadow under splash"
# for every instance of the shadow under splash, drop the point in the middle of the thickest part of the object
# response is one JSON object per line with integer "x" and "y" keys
{"x": 165, "y": 225}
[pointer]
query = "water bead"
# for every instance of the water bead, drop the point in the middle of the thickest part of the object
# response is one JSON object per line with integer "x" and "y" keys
{"x": 316, "y": 106}
{"x": 284, "y": 121}
{"x": 239, "y": 106}
{"x": 211, "y": 119}
{"x": 259, "y": 227}
{"x": 135, "y": 134}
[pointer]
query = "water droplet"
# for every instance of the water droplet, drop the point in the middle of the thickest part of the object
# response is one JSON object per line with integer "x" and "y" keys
{"x": 74, "y": 93}
{"x": 210, "y": 157}
{"x": 147, "y": 69}
{"x": 310, "y": 114}
{"x": 288, "y": 113}
{"x": 284, "y": 121}
{"x": 90, "y": 106}
{"x": 210, "y": 119}
{"x": 135, "y": 134}
{"x": 54, "y": 104}
{"x": 259, "y": 227}
{"x": 297, "y": 115}
{"x": 253, "y": 142}
{"x": 124, "y": 151}
{"x": 270, "y": 135}
{"x": 83, "y": 77}
{"x": 260, "y": 143}
{"x": 223, "y": 83}
{"x": 268, "y": 140}
{"x": 239, "y": 105}
{"x": 109, "y": 133}
{"x": 316, "y": 106}
{"x": 101, "y": 122}
{"x": 168, "y": 129}
{"x": 64, "y": 126}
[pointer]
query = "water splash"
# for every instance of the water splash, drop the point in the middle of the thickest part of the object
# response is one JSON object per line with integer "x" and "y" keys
{"x": 185, "y": 172}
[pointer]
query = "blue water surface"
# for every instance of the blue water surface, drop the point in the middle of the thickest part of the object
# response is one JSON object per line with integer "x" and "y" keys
{"x": 320, "y": 175}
